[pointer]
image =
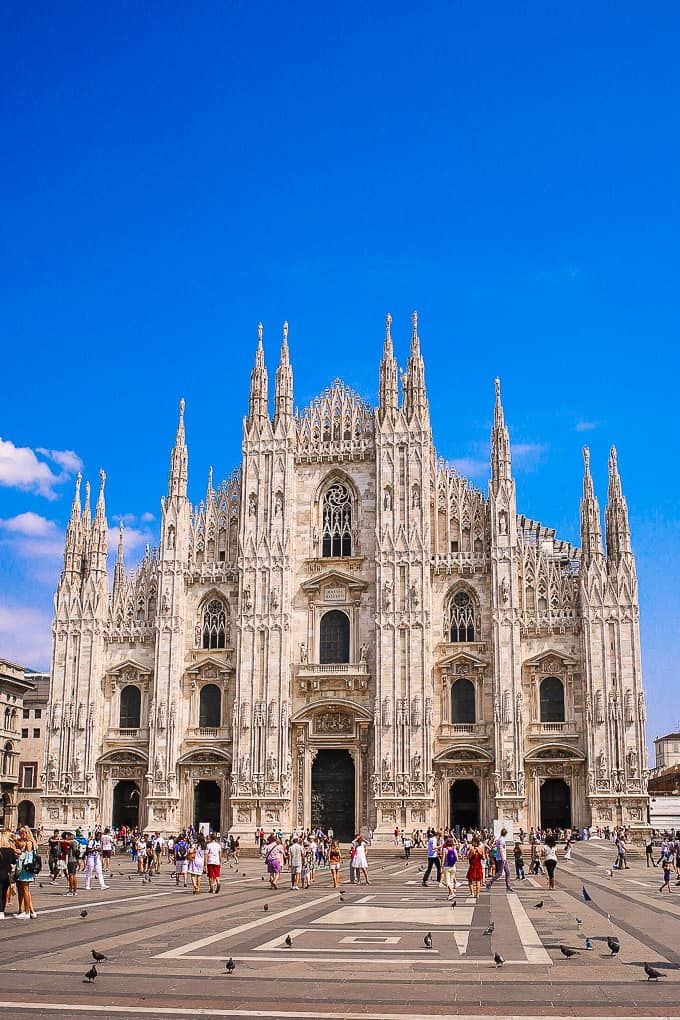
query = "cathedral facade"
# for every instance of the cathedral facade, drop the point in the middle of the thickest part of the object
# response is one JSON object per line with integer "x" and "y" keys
{"x": 346, "y": 632}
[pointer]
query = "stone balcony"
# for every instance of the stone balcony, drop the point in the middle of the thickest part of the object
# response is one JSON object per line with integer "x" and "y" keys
{"x": 539, "y": 730}
{"x": 332, "y": 676}
{"x": 463, "y": 731}
{"x": 208, "y": 734}
{"x": 125, "y": 734}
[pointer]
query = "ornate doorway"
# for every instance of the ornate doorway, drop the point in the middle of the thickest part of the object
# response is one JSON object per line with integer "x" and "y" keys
{"x": 126, "y": 804}
{"x": 333, "y": 797}
{"x": 555, "y": 804}
{"x": 207, "y": 798}
{"x": 464, "y": 804}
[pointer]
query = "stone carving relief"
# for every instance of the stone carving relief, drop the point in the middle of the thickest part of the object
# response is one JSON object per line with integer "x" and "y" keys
{"x": 333, "y": 721}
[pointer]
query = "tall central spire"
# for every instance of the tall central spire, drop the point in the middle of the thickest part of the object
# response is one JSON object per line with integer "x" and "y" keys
{"x": 258, "y": 405}
{"x": 616, "y": 514}
{"x": 119, "y": 569}
{"x": 501, "y": 464}
{"x": 389, "y": 380}
{"x": 283, "y": 393}
{"x": 179, "y": 459}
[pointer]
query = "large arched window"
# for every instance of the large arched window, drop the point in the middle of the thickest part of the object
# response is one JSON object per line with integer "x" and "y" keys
{"x": 552, "y": 700}
{"x": 463, "y": 701}
{"x": 334, "y": 637}
{"x": 214, "y": 626}
{"x": 459, "y": 621}
{"x": 337, "y": 521}
{"x": 130, "y": 707}
{"x": 210, "y": 706}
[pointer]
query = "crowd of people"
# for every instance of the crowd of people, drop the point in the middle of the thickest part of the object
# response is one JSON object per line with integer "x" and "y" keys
{"x": 483, "y": 856}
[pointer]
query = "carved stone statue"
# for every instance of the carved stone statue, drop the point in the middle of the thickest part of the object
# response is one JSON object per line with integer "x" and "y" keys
{"x": 272, "y": 766}
{"x": 274, "y": 598}
{"x": 387, "y": 767}
{"x": 387, "y": 595}
{"x": 303, "y": 653}
{"x": 77, "y": 767}
{"x": 414, "y": 595}
{"x": 278, "y": 504}
{"x": 161, "y": 716}
{"x": 417, "y": 766}
{"x": 363, "y": 652}
{"x": 247, "y": 600}
{"x": 602, "y": 765}
{"x": 428, "y": 711}
{"x": 252, "y": 505}
{"x": 505, "y": 591}
{"x": 387, "y": 499}
{"x": 503, "y": 523}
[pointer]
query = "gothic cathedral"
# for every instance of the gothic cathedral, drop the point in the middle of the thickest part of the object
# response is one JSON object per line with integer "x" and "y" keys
{"x": 346, "y": 632}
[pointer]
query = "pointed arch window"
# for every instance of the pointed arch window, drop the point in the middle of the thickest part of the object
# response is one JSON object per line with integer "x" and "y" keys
{"x": 459, "y": 620}
{"x": 214, "y": 625}
{"x": 552, "y": 700}
{"x": 337, "y": 521}
{"x": 334, "y": 637}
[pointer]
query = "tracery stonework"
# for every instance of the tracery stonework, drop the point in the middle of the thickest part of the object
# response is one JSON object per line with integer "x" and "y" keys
{"x": 476, "y": 665}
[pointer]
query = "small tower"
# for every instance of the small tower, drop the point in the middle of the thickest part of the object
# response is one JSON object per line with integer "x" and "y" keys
{"x": 119, "y": 569}
{"x": 501, "y": 464}
{"x": 389, "y": 378}
{"x": 258, "y": 405}
{"x": 99, "y": 534}
{"x": 591, "y": 529}
{"x": 415, "y": 395}
{"x": 616, "y": 518}
{"x": 283, "y": 395}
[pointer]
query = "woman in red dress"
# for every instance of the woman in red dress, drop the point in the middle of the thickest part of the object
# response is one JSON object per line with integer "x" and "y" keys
{"x": 475, "y": 873}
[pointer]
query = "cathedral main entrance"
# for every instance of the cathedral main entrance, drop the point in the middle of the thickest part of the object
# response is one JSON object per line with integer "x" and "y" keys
{"x": 125, "y": 804}
{"x": 464, "y": 804}
{"x": 333, "y": 798}
{"x": 555, "y": 804}
{"x": 207, "y": 797}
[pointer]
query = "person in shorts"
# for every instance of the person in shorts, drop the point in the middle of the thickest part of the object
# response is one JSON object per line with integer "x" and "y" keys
{"x": 334, "y": 861}
{"x": 107, "y": 850}
{"x": 72, "y": 847}
{"x": 181, "y": 859}
{"x": 273, "y": 857}
{"x": 213, "y": 858}
{"x": 295, "y": 856}
{"x": 449, "y": 861}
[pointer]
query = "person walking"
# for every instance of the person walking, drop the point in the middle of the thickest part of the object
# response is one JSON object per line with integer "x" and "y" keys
{"x": 361, "y": 861}
{"x": 519, "y": 862}
{"x": 26, "y": 877}
{"x": 107, "y": 851}
{"x": 433, "y": 857}
{"x": 334, "y": 861}
{"x": 502, "y": 866}
{"x": 93, "y": 864}
{"x": 53, "y": 854}
{"x": 450, "y": 859}
{"x": 475, "y": 872}
{"x": 196, "y": 860}
{"x": 213, "y": 858}
{"x": 649, "y": 853}
{"x": 181, "y": 850}
{"x": 273, "y": 857}
{"x": 550, "y": 859}
{"x": 407, "y": 847}
{"x": 667, "y": 872}
{"x": 295, "y": 856}
{"x": 8, "y": 860}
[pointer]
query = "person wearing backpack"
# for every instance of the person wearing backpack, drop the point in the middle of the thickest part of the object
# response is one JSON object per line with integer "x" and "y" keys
{"x": 8, "y": 860}
{"x": 28, "y": 860}
{"x": 181, "y": 859}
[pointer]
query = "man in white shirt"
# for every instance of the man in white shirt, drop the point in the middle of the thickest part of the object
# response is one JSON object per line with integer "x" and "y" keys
{"x": 433, "y": 856}
{"x": 213, "y": 858}
{"x": 295, "y": 856}
{"x": 502, "y": 866}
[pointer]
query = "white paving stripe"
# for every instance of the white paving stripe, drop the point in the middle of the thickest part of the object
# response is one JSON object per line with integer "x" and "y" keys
{"x": 180, "y": 951}
{"x": 531, "y": 943}
{"x": 79, "y": 1008}
{"x": 86, "y": 904}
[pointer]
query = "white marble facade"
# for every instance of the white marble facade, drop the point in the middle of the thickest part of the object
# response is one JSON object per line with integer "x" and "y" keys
{"x": 476, "y": 666}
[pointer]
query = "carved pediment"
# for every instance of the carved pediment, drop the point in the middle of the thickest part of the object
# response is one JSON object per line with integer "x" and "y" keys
{"x": 460, "y": 658}
{"x": 129, "y": 667}
{"x": 470, "y": 753}
{"x": 555, "y": 752}
{"x": 210, "y": 666}
{"x": 205, "y": 756}
{"x": 334, "y": 579}
{"x": 124, "y": 756}
{"x": 551, "y": 661}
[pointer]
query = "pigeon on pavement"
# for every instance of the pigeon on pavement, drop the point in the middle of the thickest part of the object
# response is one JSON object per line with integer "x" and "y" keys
{"x": 539, "y": 904}
{"x": 427, "y": 941}
{"x": 613, "y": 944}
{"x": 266, "y": 907}
{"x": 566, "y": 951}
{"x": 288, "y": 940}
{"x": 231, "y": 966}
{"x": 98, "y": 957}
{"x": 83, "y": 913}
{"x": 91, "y": 974}
{"x": 498, "y": 959}
{"x": 652, "y": 973}
{"x": 489, "y": 930}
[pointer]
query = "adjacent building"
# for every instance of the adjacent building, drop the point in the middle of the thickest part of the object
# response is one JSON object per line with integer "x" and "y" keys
{"x": 14, "y": 688}
{"x": 34, "y": 717}
{"x": 348, "y": 632}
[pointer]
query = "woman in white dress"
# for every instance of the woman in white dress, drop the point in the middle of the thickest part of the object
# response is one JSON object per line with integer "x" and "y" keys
{"x": 361, "y": 861}
{"x": 196, "y": 858}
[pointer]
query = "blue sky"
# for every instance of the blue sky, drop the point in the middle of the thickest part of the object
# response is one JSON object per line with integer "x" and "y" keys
{"x": 170, "y": 176}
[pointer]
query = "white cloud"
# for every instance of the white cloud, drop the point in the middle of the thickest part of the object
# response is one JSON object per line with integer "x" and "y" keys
{"x": 526, "y": 456}
{"x": 21, "y": 469}
{"x": 147, "y": 517}
{"x": 26, "y": 635}
{"x": 28, "y": 524}
{"x": 69, "y": 461}
{"x": 586, "y": 426}
{"x": 470, "y": 467}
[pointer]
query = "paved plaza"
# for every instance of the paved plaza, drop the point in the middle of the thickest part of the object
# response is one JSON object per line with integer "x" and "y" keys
{"x": 359, "y": 954}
